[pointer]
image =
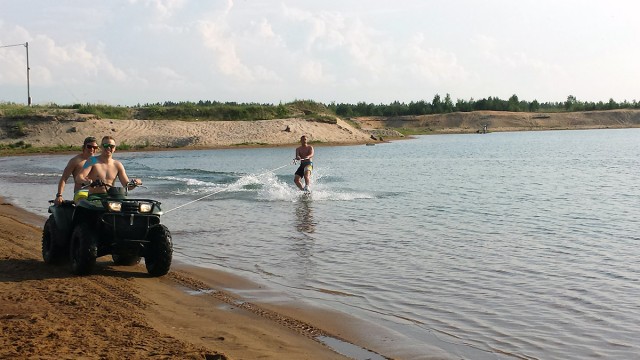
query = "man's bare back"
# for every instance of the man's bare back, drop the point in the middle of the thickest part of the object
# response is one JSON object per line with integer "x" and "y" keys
{"x": 77, "y": 165}
{"x": 75, "y": 168}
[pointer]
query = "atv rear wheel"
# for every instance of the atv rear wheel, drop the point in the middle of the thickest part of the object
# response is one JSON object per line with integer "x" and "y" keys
{"x": 84, "y": 250}
{"x": 51, "y": 252}
{"x": 159, "y": 251}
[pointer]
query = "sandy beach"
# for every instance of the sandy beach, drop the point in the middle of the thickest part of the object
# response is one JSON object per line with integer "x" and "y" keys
{"x": 121, "y": 312}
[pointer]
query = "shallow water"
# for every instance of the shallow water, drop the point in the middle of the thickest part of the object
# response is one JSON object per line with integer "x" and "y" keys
{"x": 504, "y": 245}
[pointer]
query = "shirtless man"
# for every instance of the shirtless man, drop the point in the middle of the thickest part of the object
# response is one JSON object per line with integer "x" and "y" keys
{"x": 304, "y": 153}
{"x": 107, "y": 169}
{"x": 75, "y": 166}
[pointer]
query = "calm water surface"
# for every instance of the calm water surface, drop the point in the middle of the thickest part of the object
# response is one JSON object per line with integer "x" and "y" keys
{"x": 497, "y": 246}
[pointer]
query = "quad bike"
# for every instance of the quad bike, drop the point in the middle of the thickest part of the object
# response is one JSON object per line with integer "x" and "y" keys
{"x": 125, "y": 228}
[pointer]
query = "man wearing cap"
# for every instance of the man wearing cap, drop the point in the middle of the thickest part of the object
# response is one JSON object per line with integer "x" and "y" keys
{"x": 75, "y": 166}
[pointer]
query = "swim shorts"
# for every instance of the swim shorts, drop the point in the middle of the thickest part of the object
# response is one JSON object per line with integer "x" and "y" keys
{"x": 304, "y": 167}
{"x": 80, "y": 194}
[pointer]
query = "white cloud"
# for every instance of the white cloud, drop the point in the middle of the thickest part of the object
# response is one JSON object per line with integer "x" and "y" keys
{"x": 13, "y": 59}
{"x": 311, "y": 72}
{"x": 435, "y": 65}
{"x": 265, "y": 30}
{"x": 226, "y": 59}
{"x": 344, "y": 41}
{"x": 253, "y": 50}
{"x": 369, "y": 50}
{"x": 163, "y": 9}
{"x": 76, "y": 62}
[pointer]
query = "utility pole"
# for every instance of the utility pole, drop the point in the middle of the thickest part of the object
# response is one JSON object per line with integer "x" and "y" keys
{"x": 26, "y": 45}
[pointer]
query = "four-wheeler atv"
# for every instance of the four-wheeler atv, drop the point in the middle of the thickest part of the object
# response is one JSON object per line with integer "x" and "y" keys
{"x": 125, "y": 228}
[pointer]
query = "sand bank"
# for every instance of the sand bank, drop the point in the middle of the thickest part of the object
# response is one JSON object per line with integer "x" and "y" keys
{"x": 45, "y": 132}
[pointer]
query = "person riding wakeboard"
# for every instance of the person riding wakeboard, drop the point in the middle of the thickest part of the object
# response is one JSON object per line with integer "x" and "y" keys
{"x": 304, "y": 153}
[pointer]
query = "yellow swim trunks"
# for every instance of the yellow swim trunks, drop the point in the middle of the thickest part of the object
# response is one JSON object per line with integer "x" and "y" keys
{"x": 80, "y": 194}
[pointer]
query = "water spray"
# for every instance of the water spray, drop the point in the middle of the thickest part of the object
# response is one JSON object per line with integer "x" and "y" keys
{"x": 225, "y": 189}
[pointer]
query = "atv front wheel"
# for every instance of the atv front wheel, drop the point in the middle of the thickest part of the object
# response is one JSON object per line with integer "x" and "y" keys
{"x": 159, "y": 251}
{"x": 84, "y": 250}
{"x": 51, "y": 252}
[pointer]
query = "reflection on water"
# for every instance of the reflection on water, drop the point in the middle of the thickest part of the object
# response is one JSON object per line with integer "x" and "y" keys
{"x": 303, "y": 242}
{"x": 304, "y": 216}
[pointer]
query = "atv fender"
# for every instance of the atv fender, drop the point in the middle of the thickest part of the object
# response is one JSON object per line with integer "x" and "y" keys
{"x": 63, "y": 214}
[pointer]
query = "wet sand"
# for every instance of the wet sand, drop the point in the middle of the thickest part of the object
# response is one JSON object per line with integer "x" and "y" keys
{"x": 120, "y": 312}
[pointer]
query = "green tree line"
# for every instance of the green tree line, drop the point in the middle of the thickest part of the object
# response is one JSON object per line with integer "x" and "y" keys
{"x": 441, "y": 106}
{"x": 214, "y": 110}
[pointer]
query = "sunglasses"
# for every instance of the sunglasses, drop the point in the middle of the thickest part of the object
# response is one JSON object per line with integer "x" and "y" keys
{"x": 93, "y": 147}
{"x": 106, "y": 146}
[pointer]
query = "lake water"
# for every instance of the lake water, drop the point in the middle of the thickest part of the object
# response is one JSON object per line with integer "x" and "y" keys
{"x": 498, "y": 246}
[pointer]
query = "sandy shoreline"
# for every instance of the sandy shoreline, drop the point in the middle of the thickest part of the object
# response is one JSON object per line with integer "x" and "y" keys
{"x": 120, "y": 312}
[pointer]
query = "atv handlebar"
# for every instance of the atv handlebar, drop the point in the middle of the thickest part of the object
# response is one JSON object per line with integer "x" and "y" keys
{"x": 96, "y": 183}
{"x": 132, "y": 184}
{"x": 99, "y": 182}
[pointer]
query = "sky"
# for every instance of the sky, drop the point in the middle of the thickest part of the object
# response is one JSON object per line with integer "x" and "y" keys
{"x": 128, "y": 52}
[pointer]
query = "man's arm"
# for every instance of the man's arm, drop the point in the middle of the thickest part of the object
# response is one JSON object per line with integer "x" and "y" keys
{"x": 83, "y": 176}
{"x": 124, "y": 179}
{"x": 122, "y": 174}
{"x": 68, "y": 170}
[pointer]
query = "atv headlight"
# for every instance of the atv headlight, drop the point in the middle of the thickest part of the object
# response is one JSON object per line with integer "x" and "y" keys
{"x": 114, "y": 206}
{"x": 145, "y": 207}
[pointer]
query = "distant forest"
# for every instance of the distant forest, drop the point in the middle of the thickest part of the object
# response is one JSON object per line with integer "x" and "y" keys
{"x": 446, "y": 105}
{"x": 438, "y": 105}
{"x": 216, "y": 110}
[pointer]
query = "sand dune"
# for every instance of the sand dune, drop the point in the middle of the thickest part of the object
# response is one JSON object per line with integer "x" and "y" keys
{"x": 496, "y": 121}
{"x": 177, "y": 134}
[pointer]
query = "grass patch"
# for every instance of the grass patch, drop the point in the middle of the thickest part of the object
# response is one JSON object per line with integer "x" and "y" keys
{"x": 124, "y": 146}
{"x": 327, "y": 119}
{"x": 17, "y": 130}
{"x": 22, "y": 148}
{"x": 354, "y": 124}
{"x": 414, "y": 131}
{"x": 250, "y": 144}
{"x": 106, "y": 111}
{"x": 186, "y": 111}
